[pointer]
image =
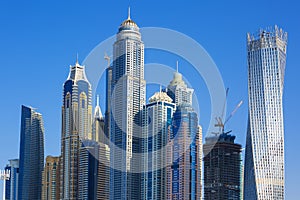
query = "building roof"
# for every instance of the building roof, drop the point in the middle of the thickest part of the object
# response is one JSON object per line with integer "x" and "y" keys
{"x": 77, "y": 72}
{"x": 160, "y": 96}
{"x": 128, "y": 24}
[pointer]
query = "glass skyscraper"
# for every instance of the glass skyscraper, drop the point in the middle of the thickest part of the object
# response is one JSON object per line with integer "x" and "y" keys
{"x": 31, "y": 160}
{"x": 185, "y": 179}
{"x": 88, "y": 169}
{"x": 185, "y": 173}
{"x": 76, "y": 125}
{"x": 264, "y": 157}
{"x": 157, "y": 122}
{"x": 127, "y": 101}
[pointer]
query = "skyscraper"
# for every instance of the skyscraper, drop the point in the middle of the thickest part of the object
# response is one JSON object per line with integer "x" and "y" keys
{"x": 88, "y": 170}
{"x": 101, "y": 154}
{"x": 186, "y": 155}
{"x": 76, "y": 125}
{"x": 178, "y": 90}
{"x": 98, "y": 124}
{"x": 184, "y": 175}
{"x": 31, "y": 155}
{"x": 128, "y": 98}
{"x": 108, "y": 100}
{"x": 157, "y": 124}
{"x": 51, "y": 176}
{"x": 264, "y": 157}
{"x": 222, "y": 168}
{"x": 103, "y": 176}
{"x": 11, "y": 191}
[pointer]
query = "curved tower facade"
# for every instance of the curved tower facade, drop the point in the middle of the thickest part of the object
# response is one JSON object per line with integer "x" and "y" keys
{"x": 264, "y": 157}
{"x": 76, "y": 125}
{"x": 128, "y": 97}
{"x": 31, "y": 155}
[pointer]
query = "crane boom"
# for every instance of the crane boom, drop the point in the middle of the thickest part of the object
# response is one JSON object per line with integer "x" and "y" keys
{"x": 233, "y": 112}
{"x": 106, "y": 57}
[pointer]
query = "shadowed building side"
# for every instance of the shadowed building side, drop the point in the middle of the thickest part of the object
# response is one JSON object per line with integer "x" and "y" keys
{"x": 31, "y": 155}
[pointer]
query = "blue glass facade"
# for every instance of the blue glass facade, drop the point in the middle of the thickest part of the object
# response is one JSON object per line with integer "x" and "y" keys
{"x": 88, "y": 168}
{"x": 31, "y": 155}
{"x": 157, "y": 121}
{"x": 8, "y": 184}
{"x": 185, "y": 168}
{"x": 11, "y": 190}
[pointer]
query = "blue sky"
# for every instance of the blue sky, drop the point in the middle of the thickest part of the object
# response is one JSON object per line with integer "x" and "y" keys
{"x": 39, "y": 40}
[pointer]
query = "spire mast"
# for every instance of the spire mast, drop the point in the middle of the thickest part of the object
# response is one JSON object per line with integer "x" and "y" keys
{"x": 177, "y": 66}
{"x": 128, "y": 13}
{"x": 160, "y": 92}
{"x": 98, "y": 100}
{"x": 77, "y": 58}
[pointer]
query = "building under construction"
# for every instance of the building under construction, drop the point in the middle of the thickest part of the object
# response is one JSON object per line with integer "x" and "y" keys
{"x": 222, "y": 168}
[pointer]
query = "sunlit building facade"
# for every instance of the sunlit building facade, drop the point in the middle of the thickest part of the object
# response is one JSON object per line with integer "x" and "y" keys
{"x": 264, "y": 157}
{"x": 186, "y": 155}
{"x": 127, "y": 100}
{"x": 76, "y": 125}
{"x": 179, "y": 91}
{"x": 185, "y": 172}
{"x": 51, "y": 176}
{"x": 103, "y": 173}
{"x": 157, "y": 122}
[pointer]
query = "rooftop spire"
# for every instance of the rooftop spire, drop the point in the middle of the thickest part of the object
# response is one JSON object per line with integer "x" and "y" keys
{"x": 98, "y": 113}
{"x": 77, "y": 58}
{"x": 128, "y": 13}
{"x": 177, "y": 66}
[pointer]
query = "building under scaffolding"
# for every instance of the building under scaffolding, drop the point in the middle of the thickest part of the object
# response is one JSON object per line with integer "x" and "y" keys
{"x": 222, "y": 168}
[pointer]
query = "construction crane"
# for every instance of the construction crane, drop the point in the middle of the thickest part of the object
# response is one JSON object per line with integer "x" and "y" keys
{"x": 107, "y": 58}
{"x": 219, "y": 120}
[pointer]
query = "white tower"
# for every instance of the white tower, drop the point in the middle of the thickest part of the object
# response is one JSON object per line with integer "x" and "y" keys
{"x": 128, "y": 99}
{"x": 264, "y": 157}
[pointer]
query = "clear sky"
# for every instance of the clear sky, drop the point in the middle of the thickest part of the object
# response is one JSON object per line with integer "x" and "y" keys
{"x": 39, "y": 40}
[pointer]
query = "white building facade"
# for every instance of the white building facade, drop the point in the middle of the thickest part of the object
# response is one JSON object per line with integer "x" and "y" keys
{"x": 264, "y": 157}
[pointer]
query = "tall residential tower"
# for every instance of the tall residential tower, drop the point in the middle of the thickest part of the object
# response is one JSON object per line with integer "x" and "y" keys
{"x": 184, "y": 174}
{"x": 157, "y": 122}
{"x": 76, "y": 125}
{"x": 31, "y": 163}
{"x": 264, "y": 157}
{"x": 128, "y": 98}
{"x": 51, "y": 176}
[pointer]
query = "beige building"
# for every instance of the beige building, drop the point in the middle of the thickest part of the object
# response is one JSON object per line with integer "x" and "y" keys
{"x": 50, "y": 183}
